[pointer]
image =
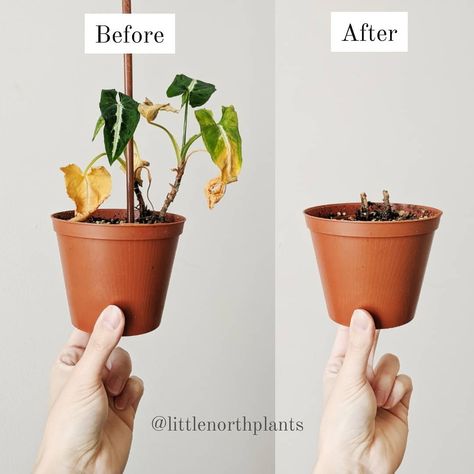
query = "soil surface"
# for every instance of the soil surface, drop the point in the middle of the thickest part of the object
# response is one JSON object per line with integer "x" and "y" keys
{"x": 378, "y": 212}
{"x": 381, "y": 211}
{"x": 149, "y": 218}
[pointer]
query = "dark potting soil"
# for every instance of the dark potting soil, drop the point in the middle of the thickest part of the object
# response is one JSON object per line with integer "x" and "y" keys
{"x": 378, "y": 212}
{"x": 381, "y": 211}
{"x": 148, "y": 218}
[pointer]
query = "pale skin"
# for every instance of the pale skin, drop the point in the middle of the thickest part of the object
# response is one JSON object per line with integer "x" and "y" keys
{"x": 94, "y": 399}
{"x": 93, "y": 402}
{"x": 364, "y": 427}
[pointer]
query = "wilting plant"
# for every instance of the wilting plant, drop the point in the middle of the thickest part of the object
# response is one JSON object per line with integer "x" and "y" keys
{"x": 119, "y": 118}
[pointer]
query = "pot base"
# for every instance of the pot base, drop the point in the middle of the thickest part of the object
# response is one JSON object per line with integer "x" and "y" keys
{"x": 380, "y": 320}
{"x": 128, "y": 329}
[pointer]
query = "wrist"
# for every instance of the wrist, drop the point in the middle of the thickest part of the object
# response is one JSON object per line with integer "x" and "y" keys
{"x": 47, "y": 464}
{"x": 336, "y": 465}
{"x": 48, "y": 467}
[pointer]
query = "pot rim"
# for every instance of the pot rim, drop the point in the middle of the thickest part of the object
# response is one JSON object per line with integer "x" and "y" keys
{"x": 179, "y": 219}
{"x": 437, "y": 213}
{"x": 323, "y": 225}
{"x": 125, "y": 231}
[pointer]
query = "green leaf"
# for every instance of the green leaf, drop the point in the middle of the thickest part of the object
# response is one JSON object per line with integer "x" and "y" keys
{"x": 223, "y": 142}
{"x": 121, "y": 119}
{"x": 198, "y": 92}
{"x": 98, "y": 126}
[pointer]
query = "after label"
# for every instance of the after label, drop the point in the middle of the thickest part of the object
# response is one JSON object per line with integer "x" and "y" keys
{"x": 369, "y": 32}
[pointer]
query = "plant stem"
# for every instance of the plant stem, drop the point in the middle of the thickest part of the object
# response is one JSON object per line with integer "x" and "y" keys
{"x": 173, "y": 140}
{"x": 122, "y": 162}
{"x": 138, "y": 192}
{"x": 181, "y": 157}
{"x": 185, "y": 129}
{"x": 93, "y": 161}
{"x": 387, "y": 213}
{"x": 174, "y": 190}
{"x": 184, "y": 151}
{"x": 177, "y": 182}
{"x": 141, "y": 202}
{"x": 193, "y": 152}
{"x": 386, "y": 201}
{"x": 364, "y": 207}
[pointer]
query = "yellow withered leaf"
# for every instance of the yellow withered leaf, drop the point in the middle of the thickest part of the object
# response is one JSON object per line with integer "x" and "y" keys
{"x": 215, "y": 190}
{"x": 138, "y": 165}
{"x": 149, "y": 110}
{"x": 223, "y": 142}
{"x": 88, "y": 191}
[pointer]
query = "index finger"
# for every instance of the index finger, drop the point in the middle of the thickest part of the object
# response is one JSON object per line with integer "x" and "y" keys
{"x": 72, "y": 351}
{"x": 78, "y": 338}
{"x": 336, "y": 359}
{"x": 370, "y": 364}
{"x": 341, "y": 341}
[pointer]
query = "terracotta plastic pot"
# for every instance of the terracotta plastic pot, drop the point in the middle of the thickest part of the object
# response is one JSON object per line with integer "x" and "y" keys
{"x": 128, "y": 265}
{"x": 376, "y": 266}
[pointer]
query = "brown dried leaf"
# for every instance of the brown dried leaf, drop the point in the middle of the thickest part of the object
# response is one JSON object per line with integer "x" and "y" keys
{"x": 138, "y": 165}
{"x": 215, "y": 190}
{"x": 149, "y": 110}
{"x": 87, "y": 191}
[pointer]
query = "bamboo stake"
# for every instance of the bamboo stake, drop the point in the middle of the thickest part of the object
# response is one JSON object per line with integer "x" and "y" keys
{"x": 128, "y": 86}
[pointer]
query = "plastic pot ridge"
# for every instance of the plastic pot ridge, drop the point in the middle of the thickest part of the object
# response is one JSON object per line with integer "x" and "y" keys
{"x": 376, "y": 266}
{"x": 128, "y": 265}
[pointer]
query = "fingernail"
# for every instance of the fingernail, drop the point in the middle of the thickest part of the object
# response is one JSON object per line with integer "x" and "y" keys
{"x": 388, "y": 404}
{"x": 67, "y": 359}
{"x": 380, "y": 397}
{"x": 111, "y": 317}
{"x": 360, "y": 320}
{"x": 115, "y": 385}
{"x": 121, "y": 403}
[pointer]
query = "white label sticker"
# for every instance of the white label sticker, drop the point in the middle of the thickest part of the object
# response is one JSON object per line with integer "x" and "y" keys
{"x": 369, "y": 32}
{"x": 135, "y": 33}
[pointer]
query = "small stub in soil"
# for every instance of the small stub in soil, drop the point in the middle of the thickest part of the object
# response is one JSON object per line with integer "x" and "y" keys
{"x": 380, "y": 211}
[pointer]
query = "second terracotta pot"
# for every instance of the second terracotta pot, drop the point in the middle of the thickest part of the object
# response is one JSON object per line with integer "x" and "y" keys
{"x": 128, "y": 265}
{"x": 376, "y": 266}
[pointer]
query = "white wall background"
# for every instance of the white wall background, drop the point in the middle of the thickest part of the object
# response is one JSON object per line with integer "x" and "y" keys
{"x": 348, "y": 123}
{"x": 213, "y": 356}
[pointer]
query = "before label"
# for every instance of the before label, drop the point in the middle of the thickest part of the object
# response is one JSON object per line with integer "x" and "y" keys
{"x": 136, "y": 33}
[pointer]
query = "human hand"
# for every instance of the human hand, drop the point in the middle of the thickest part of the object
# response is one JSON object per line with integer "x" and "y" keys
{"x": 364, "y": 427}
{"x": 93, "y": 403}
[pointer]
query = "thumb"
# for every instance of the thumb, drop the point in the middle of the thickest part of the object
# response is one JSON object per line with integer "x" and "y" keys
{"x": 361, "y": 340}
{"x": 106, "y": 334}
